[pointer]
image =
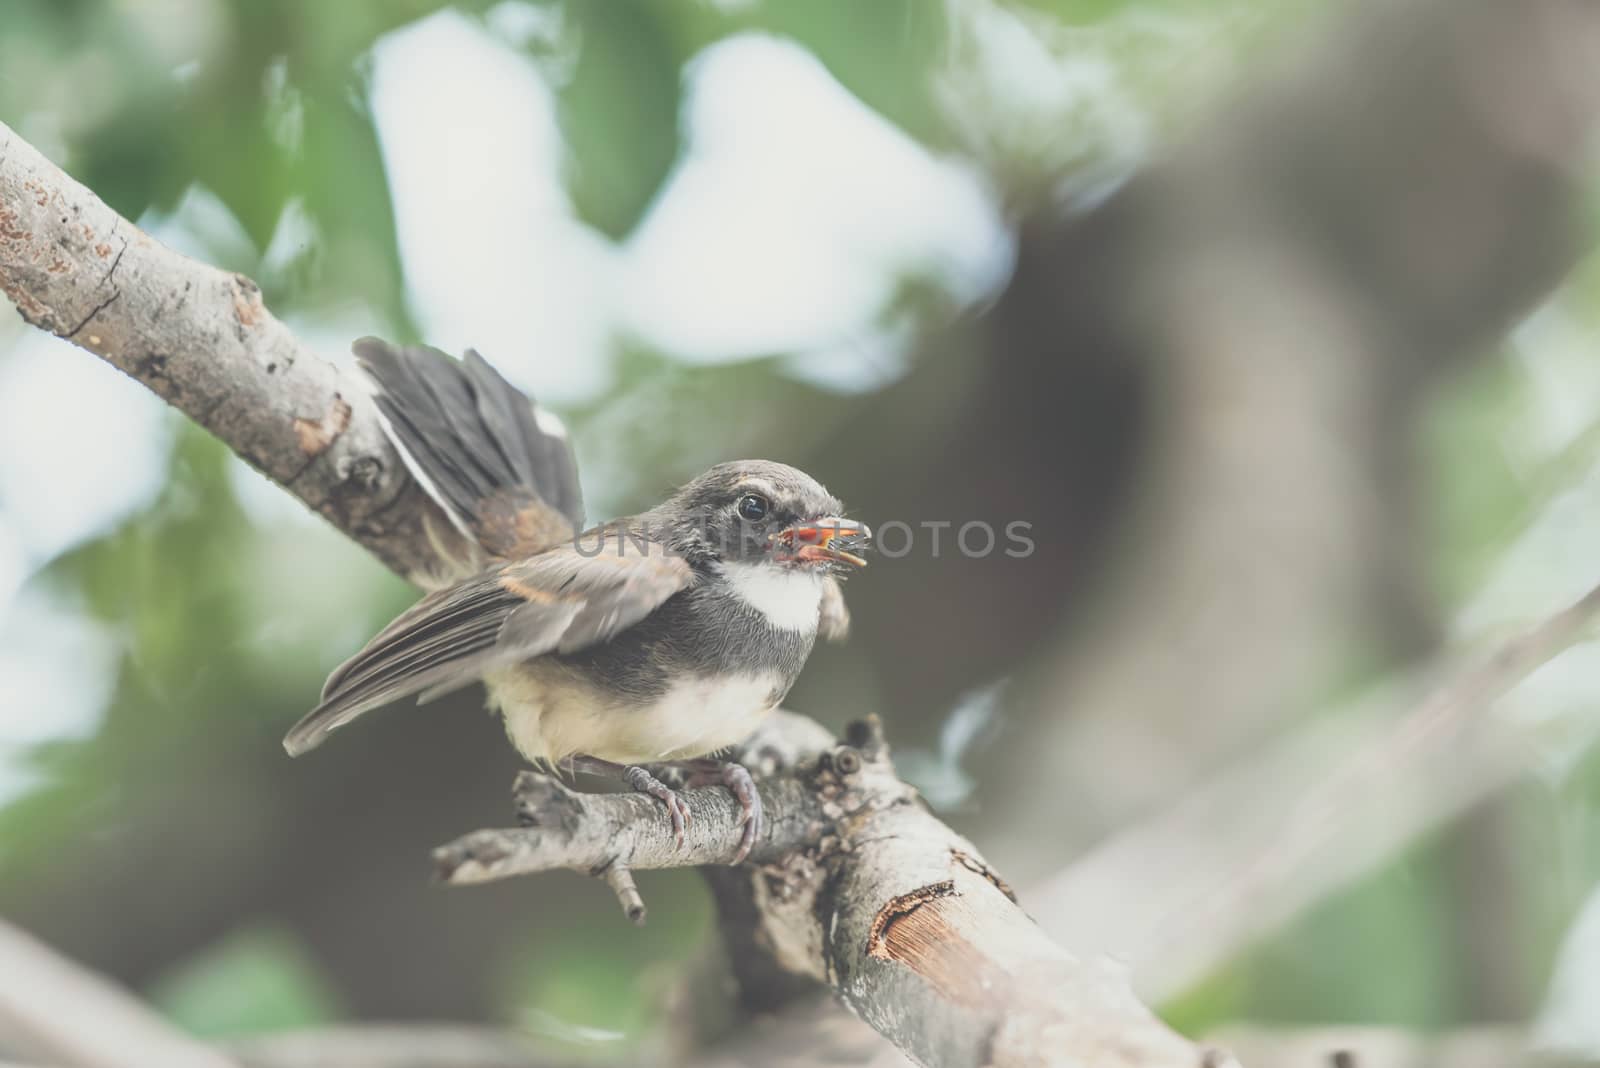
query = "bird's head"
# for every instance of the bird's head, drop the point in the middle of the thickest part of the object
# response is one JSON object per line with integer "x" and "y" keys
{"x": 757, "y": 511}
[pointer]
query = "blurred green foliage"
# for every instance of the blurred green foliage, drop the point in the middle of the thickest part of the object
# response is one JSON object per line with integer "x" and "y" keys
{"x": 254, "y": 980}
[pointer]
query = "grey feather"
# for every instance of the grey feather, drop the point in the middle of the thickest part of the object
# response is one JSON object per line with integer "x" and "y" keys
{"x": 470, "y": 435}
{"x": 560, "y": 600}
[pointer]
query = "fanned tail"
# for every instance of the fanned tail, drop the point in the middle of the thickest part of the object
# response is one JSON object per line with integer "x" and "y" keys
{"x": 498, "y": 467}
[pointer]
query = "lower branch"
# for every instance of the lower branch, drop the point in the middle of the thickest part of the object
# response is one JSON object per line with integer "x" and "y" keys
{"x": 599, "y": 833}
{"x": 1386, "y": 1047}
{"x": 856, "y": 885}
{"x": 61, "y": 1013}
{"x": 392, "y": 1046}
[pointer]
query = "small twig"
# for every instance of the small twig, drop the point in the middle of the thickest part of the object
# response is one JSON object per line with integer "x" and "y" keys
{"x": 618, "y": 876}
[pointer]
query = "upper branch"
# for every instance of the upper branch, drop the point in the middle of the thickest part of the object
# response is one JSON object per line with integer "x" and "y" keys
{"x": 202, "y": 339}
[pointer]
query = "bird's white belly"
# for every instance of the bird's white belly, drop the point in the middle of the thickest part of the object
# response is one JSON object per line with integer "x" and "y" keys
{"x": 550, "y": 716}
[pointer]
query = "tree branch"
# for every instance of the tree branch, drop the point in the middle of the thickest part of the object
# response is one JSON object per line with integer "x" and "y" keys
{"x": 1385, "y": 1047}
{"x": 859, "y": 887}
{"x": 390, "y": 1046}
{"x": 55, "y": 1010}
{"x": 592, "y": 833}
{"x": 1285, "y": 829}
{"x": 1296, "y": 822}
{"x": 202, "y": 339}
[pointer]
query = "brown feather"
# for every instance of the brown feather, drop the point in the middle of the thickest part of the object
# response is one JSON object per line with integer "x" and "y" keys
{"x": 563, "y": 600}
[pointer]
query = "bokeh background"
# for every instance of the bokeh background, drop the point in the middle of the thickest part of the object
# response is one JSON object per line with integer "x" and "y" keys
{"x": 697, "y": 230}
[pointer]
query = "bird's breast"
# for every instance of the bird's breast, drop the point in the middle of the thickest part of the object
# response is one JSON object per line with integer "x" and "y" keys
{"x": 695, "y": 676}
{"x": 551, "y": 714}
{"x": 700, "y": 715}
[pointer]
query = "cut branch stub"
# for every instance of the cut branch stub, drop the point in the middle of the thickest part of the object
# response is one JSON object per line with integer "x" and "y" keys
{"x": 619, "y": 877}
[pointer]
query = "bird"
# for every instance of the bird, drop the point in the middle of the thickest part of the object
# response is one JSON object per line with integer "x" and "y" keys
{"x": 656, "y": 640}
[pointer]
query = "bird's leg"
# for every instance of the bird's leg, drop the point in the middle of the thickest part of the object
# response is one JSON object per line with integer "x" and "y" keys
{"x": 740, "y": 783}
{"x": 639, "y": 779}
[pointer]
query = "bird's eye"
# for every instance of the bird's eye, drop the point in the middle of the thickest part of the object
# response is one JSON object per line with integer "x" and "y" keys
{"x": 753, "y": 507}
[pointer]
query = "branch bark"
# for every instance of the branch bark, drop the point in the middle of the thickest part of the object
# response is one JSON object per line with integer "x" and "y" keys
{"x": 595, "y": 833}
{"x": 858, "y": 886}
{"x": 201, "y": 339}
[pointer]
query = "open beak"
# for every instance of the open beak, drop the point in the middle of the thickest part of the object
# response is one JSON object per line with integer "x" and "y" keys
{"x": 814, "y": 541}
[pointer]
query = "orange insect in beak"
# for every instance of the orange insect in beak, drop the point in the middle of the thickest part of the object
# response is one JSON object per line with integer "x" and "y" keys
{"x": 812, "y": 542}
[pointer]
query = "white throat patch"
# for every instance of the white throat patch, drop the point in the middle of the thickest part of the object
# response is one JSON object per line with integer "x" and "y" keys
{"x": 790, "y": 600}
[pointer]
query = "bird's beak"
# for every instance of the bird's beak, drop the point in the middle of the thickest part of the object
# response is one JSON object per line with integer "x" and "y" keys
{"x": 813, "y": 541}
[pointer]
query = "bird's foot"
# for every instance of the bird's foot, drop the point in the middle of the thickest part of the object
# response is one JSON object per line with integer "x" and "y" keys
{"x": 645, "y": 783}
{"x": 696, "y": 773}
{"x": 737, "y": 778}
{"x": 742, "y": 785}
{"x": 639, "y": 779}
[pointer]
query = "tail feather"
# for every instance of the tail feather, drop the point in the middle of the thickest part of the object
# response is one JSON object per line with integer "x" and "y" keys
{"x": 472, "y": 439}
{"x": 532, "y": 443}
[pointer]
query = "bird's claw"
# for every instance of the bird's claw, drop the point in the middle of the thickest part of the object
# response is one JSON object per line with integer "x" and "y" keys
{"x": 737, "y": 778}
{"x": 645, "y": 783}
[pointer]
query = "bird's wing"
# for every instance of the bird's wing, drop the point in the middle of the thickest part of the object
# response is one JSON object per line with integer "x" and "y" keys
{"x": 558, "y": 601}
{"x": 498, "y": 465}
{"x": 833, "y": 616}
